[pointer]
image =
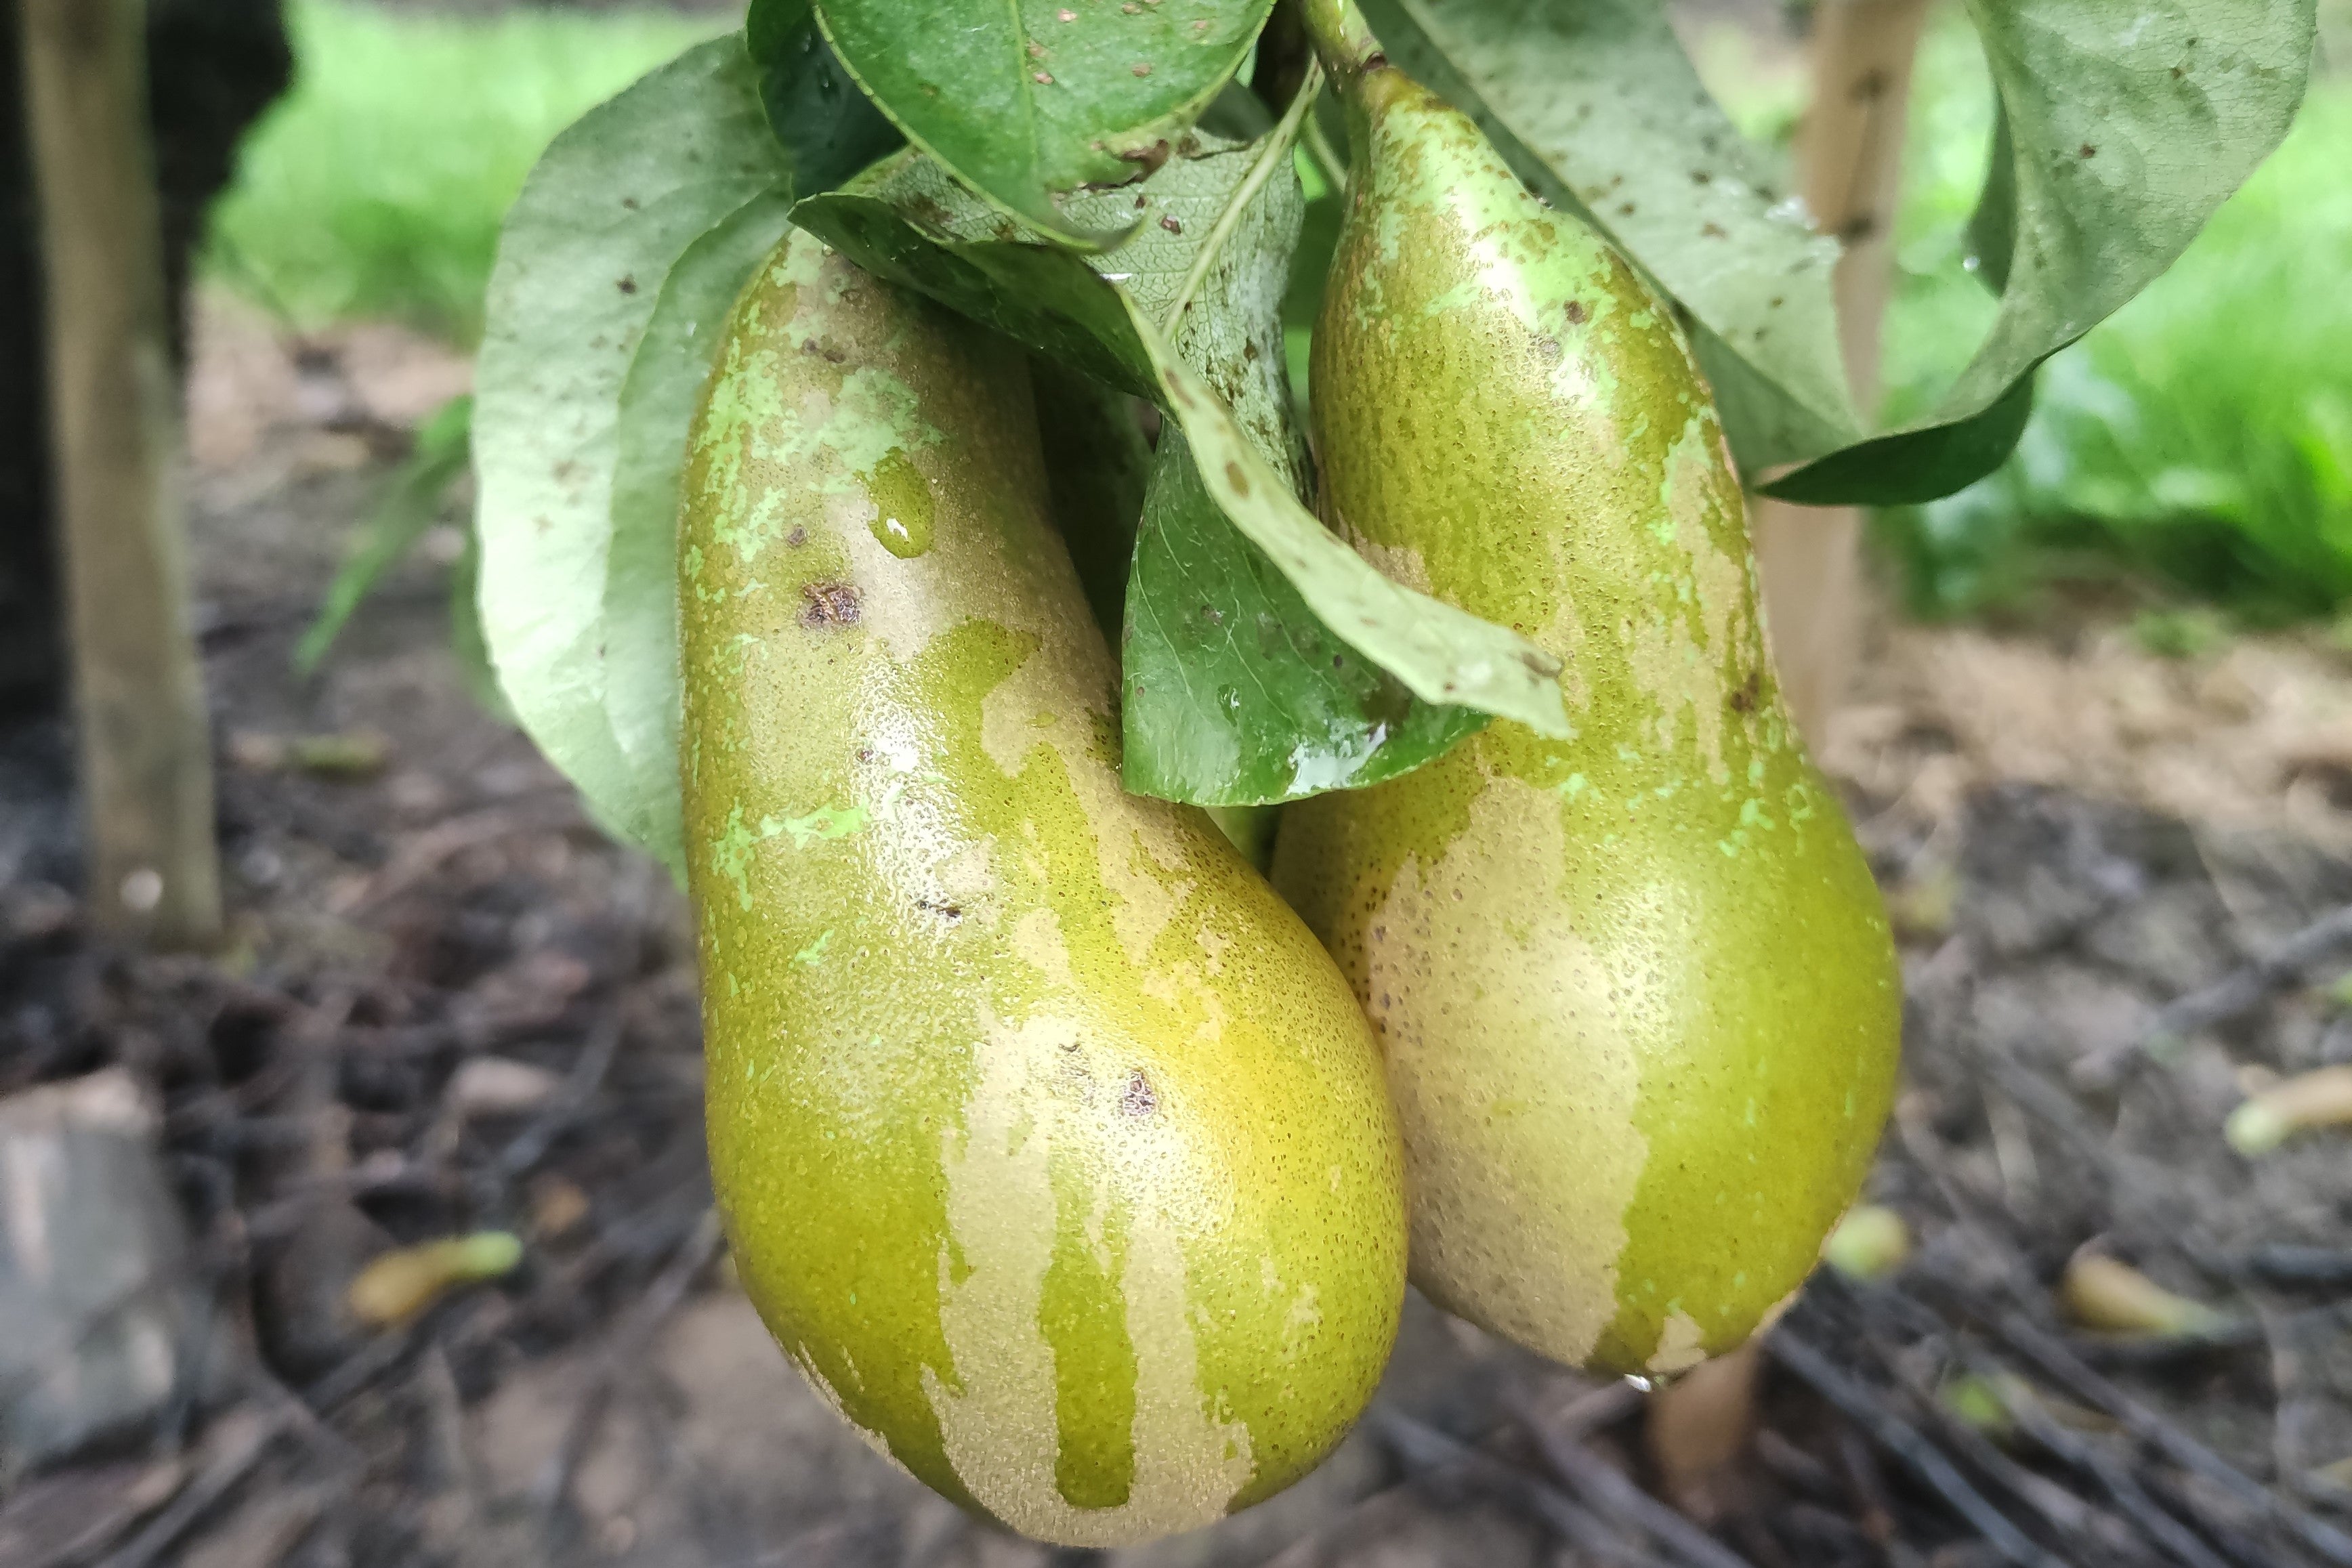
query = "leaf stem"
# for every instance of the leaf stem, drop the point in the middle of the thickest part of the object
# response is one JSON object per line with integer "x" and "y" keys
{"x": 1273, "y": 149}
{"x": 1343, "y": 39}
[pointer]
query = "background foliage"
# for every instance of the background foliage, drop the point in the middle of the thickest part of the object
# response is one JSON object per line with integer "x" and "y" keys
{"x": 376, "y": 186}
{"x": 2201, "y": 440}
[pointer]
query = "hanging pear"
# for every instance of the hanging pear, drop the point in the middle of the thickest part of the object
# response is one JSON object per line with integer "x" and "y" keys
{"x": 1635, "y": 991}
{"x": 1051, "y": 1146}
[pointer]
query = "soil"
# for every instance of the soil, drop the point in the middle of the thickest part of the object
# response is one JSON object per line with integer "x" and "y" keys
{"x": 2074, "y": 836}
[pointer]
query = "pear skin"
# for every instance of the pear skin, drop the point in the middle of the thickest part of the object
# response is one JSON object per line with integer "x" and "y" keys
{"x": 1635, "y": 990}
{"x": 1051, "y": 1146}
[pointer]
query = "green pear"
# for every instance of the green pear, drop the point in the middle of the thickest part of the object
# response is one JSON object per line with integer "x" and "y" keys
{"x": 1052, "y": 1147}
{"x": 1638, "y": 1002}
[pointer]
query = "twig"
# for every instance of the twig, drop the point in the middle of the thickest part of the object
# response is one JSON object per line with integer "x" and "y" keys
{"x": 2300, "y": 1268}
{"x": 237, "y": 1457}
{"x": 359, "y": 1369}
{"x": 1899, "y": 1439}
{"x": 625, "y": 1351}
{"x": 543, "y": 811}
{"x": 2114, "y": 1477}
{"x": 1919, "y": 1318}
{"x": 1588, "y": 1412}
{"x": 1426, "y": 1449}
{"x": 1606, "y": 1488}
{"x": 588, "y": 1070}
{"x": 2057, "y": 1361}
{"x": 2242, "y": 990}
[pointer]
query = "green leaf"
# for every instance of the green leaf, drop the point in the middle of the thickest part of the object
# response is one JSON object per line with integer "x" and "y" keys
{"x": 1234, "y": 696}
{"x": 1097, "y": 464}
{"x": 466, "y": 643}
{"x": 1235, "y": 692}
{"x": 1030, "y": 101}
{"x": 658, "y": 398}
{"x": 1992, "y": 227}
{"x": 828, "y": 127}
{"x": 2127, "y": 127}
{"x": 411, "y": 505}
{"x": 909, "y": 224}
{"x": 1598, "y": 109}
{"x": 582, "y": 264}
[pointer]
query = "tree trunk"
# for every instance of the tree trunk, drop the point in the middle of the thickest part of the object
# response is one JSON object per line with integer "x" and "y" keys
{"x": 146, "y": 758}
{"x": 229, "y": 59}
{"x": 1850, "y": 162}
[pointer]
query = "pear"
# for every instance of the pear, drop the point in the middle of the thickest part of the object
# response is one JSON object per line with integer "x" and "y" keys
{"x": 1051, "y": 1146}
{"x": 1635, "y": 990}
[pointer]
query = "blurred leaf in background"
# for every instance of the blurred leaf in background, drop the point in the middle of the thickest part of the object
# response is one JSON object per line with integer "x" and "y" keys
{"x": 2201, "y": 439}
{"x": 376, "y": 188}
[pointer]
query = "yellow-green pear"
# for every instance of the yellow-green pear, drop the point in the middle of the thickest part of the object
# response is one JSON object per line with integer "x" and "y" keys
{"x": 1634, "y": 989}
{"x": 1052, "y": 1147}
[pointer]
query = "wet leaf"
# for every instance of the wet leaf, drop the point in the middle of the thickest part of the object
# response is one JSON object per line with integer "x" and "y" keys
{"x": 1033, "y": 101}
{"x": 828, "y": 129}
{"x": 1233, "y": 693}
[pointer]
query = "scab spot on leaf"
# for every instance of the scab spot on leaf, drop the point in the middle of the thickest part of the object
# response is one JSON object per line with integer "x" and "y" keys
{"x": 1043, "y": 79}
{"x": 797, "y": 537}
{"x": 1151, "y": 156}
{"x": 2087, "y": 151}
{"x": 1237, "y": 479}
{"x": 1141, "y": 68}
{"x": 1167, "y": 221}
{"x": 1576, "y": 312}
{"x": 628, "y": 285}
{"x": 828, "y": 604}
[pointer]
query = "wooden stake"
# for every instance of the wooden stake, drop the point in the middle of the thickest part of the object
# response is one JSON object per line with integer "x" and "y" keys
{"x": 146, "y": 755}
{"x": 1850, "y": 164}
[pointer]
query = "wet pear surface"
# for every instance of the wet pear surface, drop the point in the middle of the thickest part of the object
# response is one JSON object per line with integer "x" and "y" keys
{"x": 1051, "y": 1146}
{"x": 1636, "y": 989}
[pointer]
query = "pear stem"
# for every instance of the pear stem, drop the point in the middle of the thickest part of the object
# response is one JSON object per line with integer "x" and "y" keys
{"x": 1343, "y": 40}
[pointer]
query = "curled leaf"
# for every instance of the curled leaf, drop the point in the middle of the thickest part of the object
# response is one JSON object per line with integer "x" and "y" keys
{"x": 400, "y": 1284}
{"x": 1870, "y": 1243}
{"x": 2101, "y": 1292}
{"x": 2317, "y": 1099}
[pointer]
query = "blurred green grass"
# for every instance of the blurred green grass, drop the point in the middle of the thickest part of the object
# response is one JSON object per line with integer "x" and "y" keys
{"x": 2197, "y": 446}
{"x": 376, "y": 188}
